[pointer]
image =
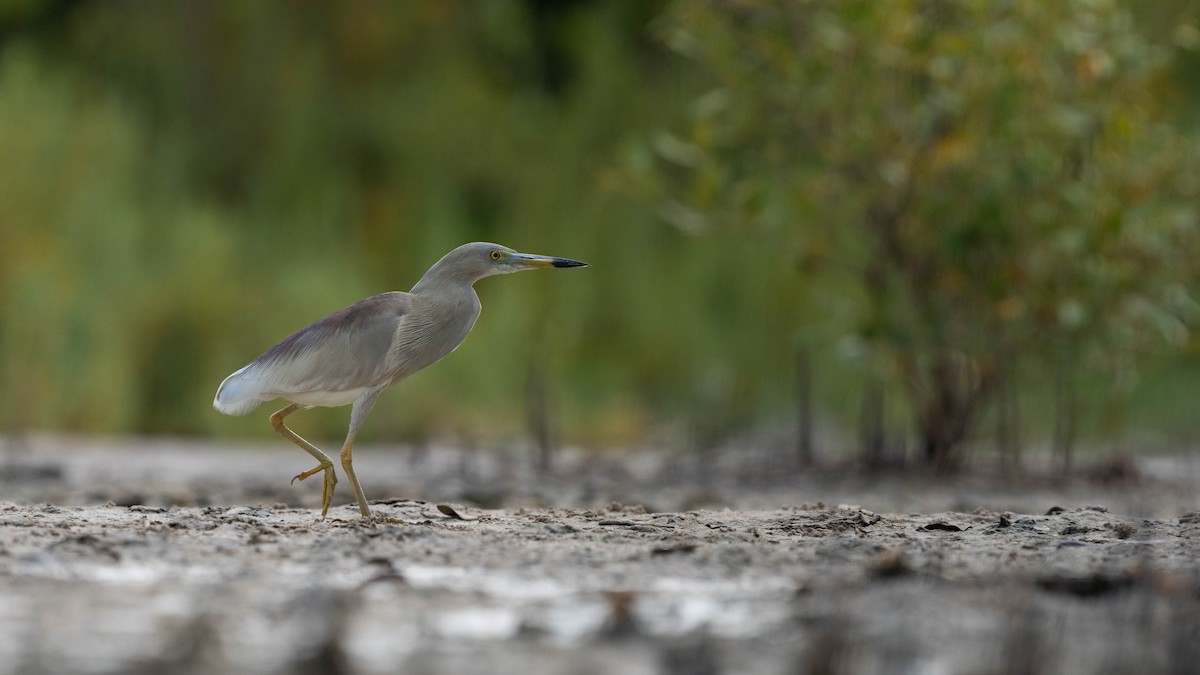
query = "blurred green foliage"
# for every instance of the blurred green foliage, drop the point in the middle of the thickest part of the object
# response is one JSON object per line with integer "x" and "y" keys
{"x": 1008, "y": 188}
{"x": 186, "y": 183}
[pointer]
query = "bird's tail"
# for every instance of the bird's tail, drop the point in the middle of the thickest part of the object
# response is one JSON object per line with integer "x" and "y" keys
{"x": 237, "y": 395}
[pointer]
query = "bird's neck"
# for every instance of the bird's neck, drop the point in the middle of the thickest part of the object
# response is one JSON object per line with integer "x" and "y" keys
{"x": 453, "y": 307}
{"x": 445, "y": 289}
{"x": 444, "y": 279}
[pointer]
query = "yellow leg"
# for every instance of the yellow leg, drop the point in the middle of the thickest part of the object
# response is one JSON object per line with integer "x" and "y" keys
{"x": 362, "y": 407}
{"x": 348, "y": 467}
{"x": 325, "y": 465}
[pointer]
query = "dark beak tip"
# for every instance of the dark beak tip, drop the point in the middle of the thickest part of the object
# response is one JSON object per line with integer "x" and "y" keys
{"x": 565, "y": 262}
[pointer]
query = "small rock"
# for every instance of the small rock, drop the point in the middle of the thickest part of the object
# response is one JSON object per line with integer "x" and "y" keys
{"x": 247, "y": 511}
{"x": 941, "y": 526}
{"x": 866, "y": 518}
{"x": 1122, "y": 530}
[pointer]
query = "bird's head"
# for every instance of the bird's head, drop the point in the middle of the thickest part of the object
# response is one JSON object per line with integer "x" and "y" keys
{"x": 472, "y": 262}
{"x": 504, "y": 260}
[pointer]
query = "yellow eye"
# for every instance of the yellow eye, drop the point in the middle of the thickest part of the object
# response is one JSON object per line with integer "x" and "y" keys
{"x": 495, "y": 255}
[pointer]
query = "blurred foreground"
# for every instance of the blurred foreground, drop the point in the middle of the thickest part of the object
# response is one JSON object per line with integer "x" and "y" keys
{"x": 201, "y": 562}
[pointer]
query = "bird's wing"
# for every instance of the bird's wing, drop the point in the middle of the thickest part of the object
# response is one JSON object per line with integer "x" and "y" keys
{"x": 344, "y": 351}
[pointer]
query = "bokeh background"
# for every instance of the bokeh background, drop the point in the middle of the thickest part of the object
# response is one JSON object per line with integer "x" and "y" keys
{"x": 903, "y": 230}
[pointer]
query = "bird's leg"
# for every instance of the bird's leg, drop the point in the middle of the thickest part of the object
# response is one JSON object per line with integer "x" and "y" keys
{"x": 325, "y": 465}
{"x": 348, "y": 467}
{"x": 357, "y": 414}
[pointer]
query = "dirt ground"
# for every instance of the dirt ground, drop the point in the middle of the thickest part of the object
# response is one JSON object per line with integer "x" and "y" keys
{"x": 165, "y": 556}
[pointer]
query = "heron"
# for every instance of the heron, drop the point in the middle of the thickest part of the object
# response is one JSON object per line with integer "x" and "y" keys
{"x": 352, "y": 355}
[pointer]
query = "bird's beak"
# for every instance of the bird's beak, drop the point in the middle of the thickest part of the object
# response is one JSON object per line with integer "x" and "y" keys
{"x": 538, "y": 262}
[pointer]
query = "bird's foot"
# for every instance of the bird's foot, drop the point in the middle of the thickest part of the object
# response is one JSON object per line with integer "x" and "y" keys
{"x": 313, "y": 471}
{"x": 327, "y": 490}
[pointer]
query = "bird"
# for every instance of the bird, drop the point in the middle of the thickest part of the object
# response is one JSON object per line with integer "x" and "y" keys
{"x": 350, "y": 356}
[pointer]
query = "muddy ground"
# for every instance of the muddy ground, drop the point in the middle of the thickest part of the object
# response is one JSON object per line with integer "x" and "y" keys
{"x": 163, "y": 556}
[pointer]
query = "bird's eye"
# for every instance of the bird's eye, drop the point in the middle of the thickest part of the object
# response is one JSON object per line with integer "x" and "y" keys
{"x": 495, "y": 255}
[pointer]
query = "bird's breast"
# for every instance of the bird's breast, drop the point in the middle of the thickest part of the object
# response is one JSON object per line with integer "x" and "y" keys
{"x": 425, "y": 337}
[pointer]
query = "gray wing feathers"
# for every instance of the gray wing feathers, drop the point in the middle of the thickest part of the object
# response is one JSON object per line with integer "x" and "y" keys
{"x": 348, "y": 349}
